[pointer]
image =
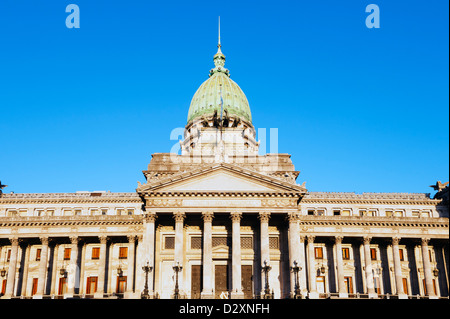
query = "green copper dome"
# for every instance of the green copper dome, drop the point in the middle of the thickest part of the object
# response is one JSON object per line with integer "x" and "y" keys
{"x": 207, "y": 99}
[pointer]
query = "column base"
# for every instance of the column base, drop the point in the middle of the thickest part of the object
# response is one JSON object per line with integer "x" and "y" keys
{"x": 373, "y": 296}
{"x": 402, "y": 296}
{"x": 237, "y": 295}
{"x": 313, "y": 295}
{"x": 129, "y": 295}
{"x": 207, "y": 295}
{"x": 38, "y": 296}
{"x": 343, "y": 295}
{"x": 98, "y": 295}
{"x": 68, "y": 296}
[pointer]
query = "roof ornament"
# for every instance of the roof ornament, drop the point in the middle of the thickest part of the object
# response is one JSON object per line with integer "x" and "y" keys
{"x": 1, "y": 187}
{"x": 219, "y": 59}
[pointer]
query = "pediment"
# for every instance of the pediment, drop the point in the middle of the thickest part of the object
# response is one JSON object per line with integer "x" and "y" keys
{"x": 221, "y": 178}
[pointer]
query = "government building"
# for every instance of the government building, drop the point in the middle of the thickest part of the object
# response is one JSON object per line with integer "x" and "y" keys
{"x": 218, "y": 220}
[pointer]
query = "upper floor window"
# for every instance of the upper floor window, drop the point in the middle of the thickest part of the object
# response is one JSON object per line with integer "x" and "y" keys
{"x": 38, "y": 254}
{"x": 67, "y": 252}
{"x": 346, "y": 253}
{"x": 345, "y": 212}
{"x": 402, "y": 257}
{"x": 318, "y": 252}
{"x": 336, "y": 212}
{"x": 123, "y": 252}
{"x": 95, "y": 252}
{"x": 373, "y": 253}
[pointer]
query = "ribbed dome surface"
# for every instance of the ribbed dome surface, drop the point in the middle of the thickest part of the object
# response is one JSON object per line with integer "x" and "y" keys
{"x": 207, "y": 98}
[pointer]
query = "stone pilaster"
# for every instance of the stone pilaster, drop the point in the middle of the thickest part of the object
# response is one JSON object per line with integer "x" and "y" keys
{"x": 312, "y": 269}
{"x": 73, "y": 270}
{"x": 42, "y": 268}
{"x": 11, "y": 279}
{"x": 130, "y": 268}
{"x": 149, "y": 248}
{"x": 179, "y": 254}
{"x": 398, "y": 269}
{"x": 368, "y": 268}
{"x": 340, "y": 268}
{"x": 427, "y": 268}
{"x": 101, "y": 277}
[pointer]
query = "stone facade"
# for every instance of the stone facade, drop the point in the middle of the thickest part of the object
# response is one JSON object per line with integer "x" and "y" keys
{"x": 221, "y": 221}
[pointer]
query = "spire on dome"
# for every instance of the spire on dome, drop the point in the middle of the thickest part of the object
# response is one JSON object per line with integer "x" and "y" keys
{"x": 219, "y": 59}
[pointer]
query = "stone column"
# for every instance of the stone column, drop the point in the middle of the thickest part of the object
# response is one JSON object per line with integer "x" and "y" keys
{"x": 101, "y": 268}
{"x": 207, "y": 289}
{"x": 303, "y": 280}
{"x": 149, "y": 248}
{"x": 294, "y": 248}
{"x": 312, "y": 269}
{"x": 236, "y": 291}
{"x": 42, "y": 269}
{"x": 368, "y": 269}
{"x": 398, "y": 269}
{"x": 27, "y": 248}
{"x": 73, "y": 271}
{"x": 130, "y": 270}
{"x": 10, "y": 282}
{"x": 340, "y": 268}
{"x": 179, "y": 220}
{"x": 265, "y": 249}
{"x": 427, "y": 269}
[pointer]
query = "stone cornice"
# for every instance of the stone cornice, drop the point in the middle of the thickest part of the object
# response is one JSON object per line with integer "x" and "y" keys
{"x": 239, "y": 194}
{"x": 70, "y": 221}
{"x": 69, "y": 198}
{"x": 373, "y": 221}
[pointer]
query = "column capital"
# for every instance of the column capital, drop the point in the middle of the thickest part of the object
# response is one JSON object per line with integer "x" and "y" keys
{"x": 310, "y": 238}
{"x": 264, "y": 217}
{"x": 302, "y": 238}
{"x": 338, "y": 239}
{"x": 424, "y": 241}
{"x": 44, "y": 240}
{"x": 367, "y": 239}
{"x": 179, "y": 216}
{"x": 103, "y": 239}
{"x": 150, "y": 217}
{"x": 293, "y": 217}
{"x": 396, "y": 240}
{"x": 131, "y": 238}
{"x": 236, "y": 217}
{"x": 207, "y": 216}
{"x": 15, "y": 240}
{"x": 74, "y": 240}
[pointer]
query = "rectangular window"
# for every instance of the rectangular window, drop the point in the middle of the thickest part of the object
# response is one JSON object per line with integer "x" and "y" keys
{"x": 123, "y": 252}
{"x": 389, "y": 213}
{"x": 320, "y": 213}
{"x": 402, "y": 257}
{"x": 95, "y": 252}
{"x": 121, "y": 284}
{"x": 345, "y": 212}
{"x": 405, "y": 285}
{"x": 318, "y": 252}
{"x": 416, "y": 213}
{"x": 346, "y": 253}
{"x": 274, "y": 243}
{"x": 398, "y": 213}
{"x": 169, "y": 242}
{"x": 373, "y": 253}
{"x": 38, "y": 254}
{"x": 34, "y": 286}
{"x": 8, "y": 256}
{"x": 196, "y": 242}
{"x": 336, "y": 212}
{"x": 3, "y": 286}
{"x": 67, "y": 253}
{"x": 310, "y": 212}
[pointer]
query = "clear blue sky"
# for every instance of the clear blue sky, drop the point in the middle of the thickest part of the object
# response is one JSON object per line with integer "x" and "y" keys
{"x": 364, "y": 110}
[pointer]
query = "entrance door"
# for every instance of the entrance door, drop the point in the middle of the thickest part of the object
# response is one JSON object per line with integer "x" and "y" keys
{"x": 196, "y": 281}
{"x": 62, "y": 289}
{"x": 247, "y": 283}
{"x": 320, "y": 284}
{"x": 121, "y": 284}
{"x": 349, "y": 284}
{"x": 221, "y": 281}
{"x": 91, "y": 285}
